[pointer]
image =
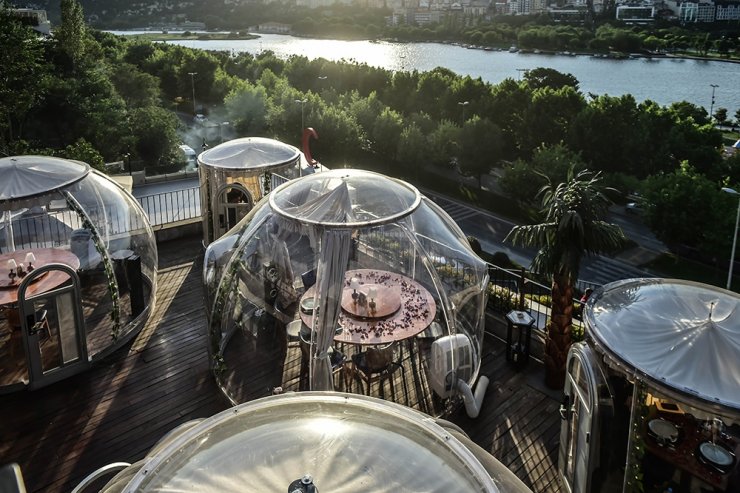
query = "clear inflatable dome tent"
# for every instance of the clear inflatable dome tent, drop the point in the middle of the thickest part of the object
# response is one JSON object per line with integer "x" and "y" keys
{"x": 237, "y": 174}
{"x": 656, "y": 381}
{"x": 79, "y": 265}
{"x": 366, "y": 446}
{"x": 346, "y": 280}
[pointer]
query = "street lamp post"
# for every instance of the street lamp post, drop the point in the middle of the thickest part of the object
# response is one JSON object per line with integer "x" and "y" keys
{"x": 321, "y": 79}
{"x": 734, "y": 237}
{"x": 463, "y": 104}
{"x": 127, "y": 157}
{"x": 520, "y": 70}
{"x": 192, "y": 86}
{"x": 711, "y": 108}
{"x": 220, "y": 131}
{"x": 302, "y": 102}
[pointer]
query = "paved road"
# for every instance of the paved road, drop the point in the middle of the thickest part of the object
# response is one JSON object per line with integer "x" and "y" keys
{"x": 182, "y": 203}
{"x": 165, "y": 186}
{"x": 169, "y": 201}
{"x": 491, "y": 230}
{"x": 635, "y": 229}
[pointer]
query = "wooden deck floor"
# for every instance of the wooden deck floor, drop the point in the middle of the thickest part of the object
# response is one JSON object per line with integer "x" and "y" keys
{"x": 122, "y": 406}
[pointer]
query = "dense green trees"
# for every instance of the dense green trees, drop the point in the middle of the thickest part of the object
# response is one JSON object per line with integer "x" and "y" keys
{"x": 481, "y": 142}
{"x": 721, "y": 116}
{"x": 75, "y": 94}
{"x": 81, "y": 150}
{"x": 138, "y": 89}
{"x": 522, "y": 180}
{"x": 71, "y": 35}
{"x": 117, "y": 96}
{"x": 548, "y": 77}
{"x": 154, "y": 134}
{"x": 246, "y": 109}
{"x": 23, "y": 79}
{"x": 685, "y": 208}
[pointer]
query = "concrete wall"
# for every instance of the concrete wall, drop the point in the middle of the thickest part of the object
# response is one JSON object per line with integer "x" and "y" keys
{"x": 140, "y": 178}
{"x": 181, "y": 229}
{"x": 179, "y": 175}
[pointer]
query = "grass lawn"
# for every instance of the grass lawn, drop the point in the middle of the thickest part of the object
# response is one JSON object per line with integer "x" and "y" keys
{"x": 708, "y": 56}
{"x": 729, "y": 138}
{"x": 670, "y": 266}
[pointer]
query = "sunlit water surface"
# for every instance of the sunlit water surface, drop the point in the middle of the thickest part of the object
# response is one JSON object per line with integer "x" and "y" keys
{"x": 661, "y": 80}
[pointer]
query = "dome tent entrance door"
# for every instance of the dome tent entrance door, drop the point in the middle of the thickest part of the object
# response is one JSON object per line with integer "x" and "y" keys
{"x": 580, "y": 413}
{"x": 234, "y": 202}
{"x": 51, "y": 324}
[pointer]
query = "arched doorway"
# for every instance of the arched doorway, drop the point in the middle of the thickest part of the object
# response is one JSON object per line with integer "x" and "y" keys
{"x": 52, "y": 324}
{"x": 234, "y": 202}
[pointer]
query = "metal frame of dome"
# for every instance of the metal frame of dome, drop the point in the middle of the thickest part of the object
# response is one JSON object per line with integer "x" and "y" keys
{"x": 347, "y": 176}
{"x": 620, "y": 358}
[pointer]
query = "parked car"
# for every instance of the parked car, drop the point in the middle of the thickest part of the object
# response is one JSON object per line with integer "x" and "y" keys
{"x": 191, "y": 158}
{"x": 634, "y": 208}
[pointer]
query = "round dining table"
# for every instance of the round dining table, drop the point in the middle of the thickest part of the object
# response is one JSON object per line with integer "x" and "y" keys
{"x": 46, "y": 282}
{"x": 399, "y": 309}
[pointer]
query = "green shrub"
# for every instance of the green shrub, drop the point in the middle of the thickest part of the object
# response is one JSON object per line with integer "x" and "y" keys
{"x": 577, "y": 333}
{"x": 501, "y": 299}
{"x": 542, "y": 299}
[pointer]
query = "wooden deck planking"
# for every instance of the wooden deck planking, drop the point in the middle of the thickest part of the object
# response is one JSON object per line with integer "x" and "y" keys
{"x": 519, "y": 423}
{"x": 125, "y": 404}
{"x": 119, "y": 409}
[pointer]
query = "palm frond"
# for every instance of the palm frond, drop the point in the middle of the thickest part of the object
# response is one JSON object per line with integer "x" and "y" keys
{"x": 573, "y": 225}
{"x": 530, "y": 235}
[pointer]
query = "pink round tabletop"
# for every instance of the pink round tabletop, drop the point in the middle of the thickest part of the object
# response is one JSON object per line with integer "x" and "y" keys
{"x": 415, "y": 310}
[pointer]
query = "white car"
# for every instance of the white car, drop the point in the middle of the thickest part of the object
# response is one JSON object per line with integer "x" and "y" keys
{"x": 633, "y": 208}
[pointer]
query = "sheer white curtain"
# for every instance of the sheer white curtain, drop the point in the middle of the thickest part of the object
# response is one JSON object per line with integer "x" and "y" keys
{"x": 323, "y": 215}
{"x": 335, "y": 246}
{"x": 330, "y": 207}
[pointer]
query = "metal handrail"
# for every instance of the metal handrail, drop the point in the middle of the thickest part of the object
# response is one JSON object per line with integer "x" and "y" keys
{"x": 99, "y": 473}
{"x": 171, "y": 207}
{"x": 185, "y": 204}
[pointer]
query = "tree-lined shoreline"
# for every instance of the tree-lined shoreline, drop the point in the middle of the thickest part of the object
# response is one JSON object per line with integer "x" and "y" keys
{"x": 548, "y": 39}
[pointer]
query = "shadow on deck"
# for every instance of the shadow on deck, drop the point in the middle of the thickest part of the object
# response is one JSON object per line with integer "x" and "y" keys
{"x": 125, "y": 403}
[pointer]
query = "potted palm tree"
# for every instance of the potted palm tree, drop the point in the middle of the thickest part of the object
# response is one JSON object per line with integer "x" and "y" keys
{"x": 572, "y": 227}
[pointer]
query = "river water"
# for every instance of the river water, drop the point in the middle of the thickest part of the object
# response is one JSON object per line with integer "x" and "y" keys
{"x": 663, "y": 80}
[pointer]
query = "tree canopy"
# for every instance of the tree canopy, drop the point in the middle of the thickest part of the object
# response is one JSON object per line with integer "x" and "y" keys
{"x": 122, "y": 96}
